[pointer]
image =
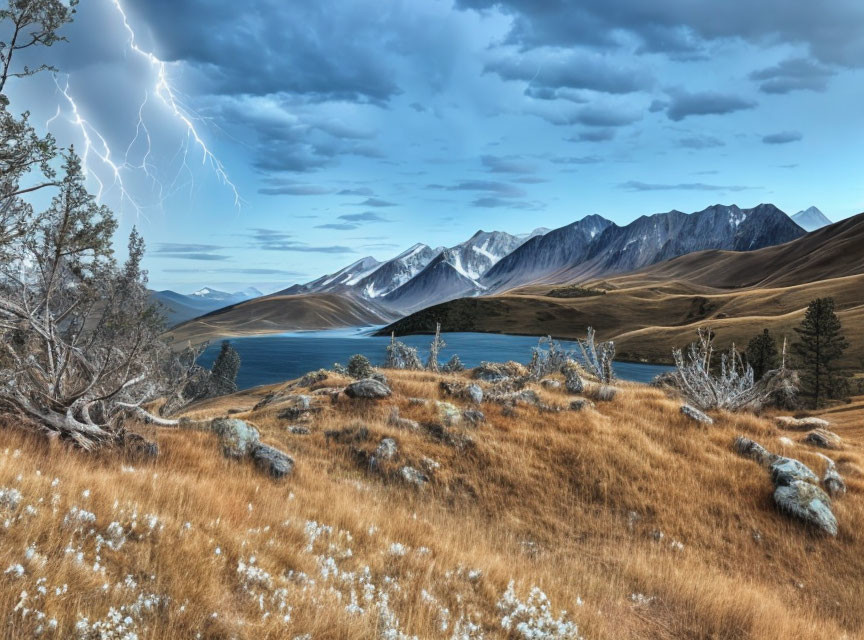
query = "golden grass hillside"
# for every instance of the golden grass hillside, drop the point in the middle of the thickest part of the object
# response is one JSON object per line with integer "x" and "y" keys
{"x": 622, "y": 521}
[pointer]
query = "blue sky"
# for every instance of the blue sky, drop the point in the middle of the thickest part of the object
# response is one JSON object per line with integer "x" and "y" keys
{"x": 359, "y": 128}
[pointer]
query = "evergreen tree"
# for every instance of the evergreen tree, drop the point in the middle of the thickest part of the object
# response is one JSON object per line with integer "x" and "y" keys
{"x": 820, "y": 345}
{"x": 224, "y": 372}
{"x": 359, "y": 367}
{"x": 762, "y": 354}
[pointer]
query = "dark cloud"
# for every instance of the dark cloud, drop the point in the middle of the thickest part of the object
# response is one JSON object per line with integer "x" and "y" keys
{"x": 376, "y": 202}
{"x": 492, "y": 202}
{"x": 339, "y": 226}
{"x": 181, "y": 251}
{"x": 507, "y": 164}
{"x": 794, "y": 74}
{"x": 251, "y": 272}
{"x": 706, "y": 103}
{"x": 419, "y": 108}
{"x": 833, "y": 30}
{"x": 360, "y": 191}
{"x": 634, "y": 185}
{"x": 366, "y": 216}
{"x": 295, "y": 190}
{"x": 265, "y": 239}
{"x": 700, "y": 142}
{"x": 547, "y": 70}
{"x": 783, "y": 137}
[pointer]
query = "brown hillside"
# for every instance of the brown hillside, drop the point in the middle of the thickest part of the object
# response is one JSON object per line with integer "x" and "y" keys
{"x": 280, "y": 313}
{"x": 635, "y": 521}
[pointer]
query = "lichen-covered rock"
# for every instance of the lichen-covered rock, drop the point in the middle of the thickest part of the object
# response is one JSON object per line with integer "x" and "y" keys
{"x": 755, "y": 451}
{"x": 448, "y": 413}
{"x": 498, "y": 371}
{"x": 474, "y": 393}
{"x": 237, "y": 437}
{"x": 313, "y": 377}
{"x": 549, "y": 383}
{"x": 298, "y": 430}
{"x": 789, "y": 470}
{"x": 694, "y": 414}
{"x": 412, "y": 476}
{"x": 474, "y": 416}
{"x": 807, "y": 502}
{"x": 581, "y": 403}
{"x": 368, "y": 388}
{"x": 386, "y": 449}
{"x": 824, "y": 439}
{"x": 801, "y": 424}
{"x": 272, "y": 461}
{"x": 605, "y": 393}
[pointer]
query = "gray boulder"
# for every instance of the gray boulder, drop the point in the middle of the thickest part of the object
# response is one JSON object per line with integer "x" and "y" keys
{"x": 412, "y": 476}
{"x": 824, "y": 439}
{"x": 831, "y": 479}
{"x": 386, "y": 449}
{"x": 789, "y": 470}
{"x": 368, "y": 388}
{"x": 395, "y": 420}
{"x": 448, "y": 413}
{"x": 237, "y": 437}
{"x": 605, "y": 393}
{"x": 473, "y": 416}
{"x": 549, "y": 383}
{"x": 807, "y": 502}
{"x": 298, "y": 430}
{"x": 755, "y": 451}
{"x": 272, "y": 461}
{"x": 574, "y": 383}
{"x": 694, "y": 414}
{"x": 474, "y": 393}
{"x": 801, "y": 424}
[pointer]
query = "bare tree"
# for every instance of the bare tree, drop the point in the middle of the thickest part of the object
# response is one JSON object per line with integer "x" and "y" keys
{"x": 435, "y": 348}
{"x": 401, "y": 356}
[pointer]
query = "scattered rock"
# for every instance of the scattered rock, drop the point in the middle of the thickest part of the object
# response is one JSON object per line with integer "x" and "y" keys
{"x": 824, "y": 439}
{"x": 430, "y": 465}
{"x": 302, "y": 409}
{"x": 581, "y": 403}
{"x": 789, "y": 470}
{"x": 416, "y": 402}
{"x": 412, "y": 476}
{"x": 755, "y": 451}
{"x": 801, "y": 424}
{"x": 138, "y": 448}
{"x": 386, "y": 449}
{"x": 497, "y": 371}
{"x": 549, "y": 408}
{"x": 298, "y": 430}
{"x": 439, "y": 432}
{"x": 549, "y": 383}
{"x": 401, "y": 423}
{"x": 807, "y": 502}
{"x": 786, "y": 442}
{"x": 448, "y": 413}
{"x": 694, "y": 414}
{"x": 234, "y": 412}
{"x": 831, "y": 479}
{"x": 380, "y": 377}
{"x": 272, "y": 461}
{"x": 574, "y": 382}
{"x": 474, "y": 393}
{"x": 474, "y": 416}
{"x": 236, "y": 436}
{"x": 368, "y": 388}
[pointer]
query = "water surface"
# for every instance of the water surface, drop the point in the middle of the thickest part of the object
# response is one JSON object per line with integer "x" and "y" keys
{"x": 274, "y": 358}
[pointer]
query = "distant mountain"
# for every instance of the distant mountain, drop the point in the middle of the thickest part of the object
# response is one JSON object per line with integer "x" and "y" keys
{"x": 396, "y": 272}
{"x": 594, "y": 246}
{"x": 811, "y": 219}
{"x": 346, "y": 277}
{"x": 180, "y": 308}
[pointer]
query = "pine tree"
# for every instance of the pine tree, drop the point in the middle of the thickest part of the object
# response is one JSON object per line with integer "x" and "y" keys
{"x": 224, "y": 372}
{"x": 762, "y": 354}
{"x": 819, "y": 347}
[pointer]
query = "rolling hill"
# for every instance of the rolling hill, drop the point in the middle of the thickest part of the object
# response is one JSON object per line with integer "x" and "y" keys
{"x": 649, "y": 311}
{"x": 282, "y": 313}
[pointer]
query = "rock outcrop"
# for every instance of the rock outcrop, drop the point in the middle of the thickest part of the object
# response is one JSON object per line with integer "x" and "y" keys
{"x": 368, "y": 388}
{"x": 694, "y": 414}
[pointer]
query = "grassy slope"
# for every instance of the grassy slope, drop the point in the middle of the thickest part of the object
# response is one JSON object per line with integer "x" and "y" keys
{"x": 568, "y": 502}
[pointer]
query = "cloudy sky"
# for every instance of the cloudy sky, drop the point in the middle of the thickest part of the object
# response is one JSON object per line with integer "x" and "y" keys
{"x": 346, "y": 128}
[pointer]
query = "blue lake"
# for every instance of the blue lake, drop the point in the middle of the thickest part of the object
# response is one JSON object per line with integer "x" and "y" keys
{"x": 274, "y": 358}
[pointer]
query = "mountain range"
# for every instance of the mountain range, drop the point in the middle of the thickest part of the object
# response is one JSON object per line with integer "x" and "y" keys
{"x": 491, "y": 262}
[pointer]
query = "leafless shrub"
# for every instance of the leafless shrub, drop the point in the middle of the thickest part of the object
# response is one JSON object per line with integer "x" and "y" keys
{"x": 401, "y": 356}
{"x": 598, "y": 358}
{"x": 733, "y": 387}
{"x": 435, "y": 348}
{"x": 548, "y": 357}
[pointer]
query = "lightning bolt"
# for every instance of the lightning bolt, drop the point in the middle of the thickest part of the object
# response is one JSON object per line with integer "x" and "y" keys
{"x": 167, "y": 95}
{"x": 96, "y": 145}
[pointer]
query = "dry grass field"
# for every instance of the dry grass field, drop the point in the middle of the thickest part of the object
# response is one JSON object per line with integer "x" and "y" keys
{"x": 622, "y": 521}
